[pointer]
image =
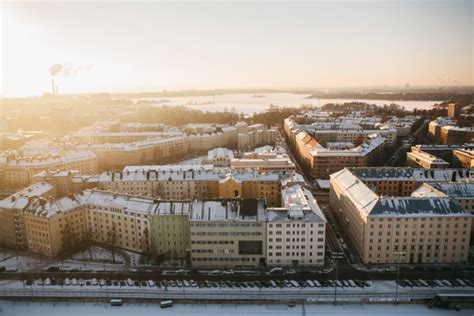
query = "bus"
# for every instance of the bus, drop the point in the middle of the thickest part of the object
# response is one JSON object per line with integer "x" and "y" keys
{"x": 165, "y": 304}
{"x": 116, "y": 302}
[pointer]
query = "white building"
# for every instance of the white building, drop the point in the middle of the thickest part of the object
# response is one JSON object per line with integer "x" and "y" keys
{"x": 296, "y": 232}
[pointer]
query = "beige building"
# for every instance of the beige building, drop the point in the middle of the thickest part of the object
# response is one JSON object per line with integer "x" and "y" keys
{"x": 464, "y": 158}
{"x": 263, "y": 165}
{"x": 119, "y": 220}
{"x": 425, "y": 230}
{"x": 55, "y": 226}
{"x": 115, "y": 156}
{"x": 296, "y": 231}
{"x": 461, "y": 193}
{"x": 425, "y": 160}
{"x": 13, "y": 233}
{"x": 19, "y": 172}
{"x": 228, "y": 233}
{"x": 202, "y": 183}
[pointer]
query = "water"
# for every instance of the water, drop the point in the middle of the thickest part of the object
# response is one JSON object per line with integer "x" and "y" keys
{"x": 248, "y": 103}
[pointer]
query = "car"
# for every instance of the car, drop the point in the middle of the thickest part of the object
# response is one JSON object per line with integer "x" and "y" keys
{"x": 423, "y": 283}
{"x": 339, "y": 283}
{"x": 290, "y": 271}
{"x": 12, "y": 269}
{"x": 193, "y": 283}
{"x": 47, "y": 281}
{"x": 229, "y": 283}
{"x": 447, "y": 283}
{"x": 352, "y": 283}
{"x": 215, "y": 272}
{"x": 345, "y": 283}
{"x": 276, "y": 270}
{"x": 60, "y": 282}
{"x": 88, "y": 283}
{"x": 144, "y": 284}
{"x": 303, "y": 284}
{"x": 272, "y": 283}
{"x": 136, "y": 284}
{"x": 228, "y": 272}
{"x": 29, "y": 282}
{"x": 123, "y": 283}
{"x": 74, "y": 282}
{"x": 317, "y": 283}
{"x": 39, "y": 282}
{"x": 115, "y": 283}
{"x": 94, "y": 282}
{"x": 416, "y": 283}
{"x": 461, "y": 282}
{"x": 102, "y": 282}
{"x": 310, "y": 283}
{"x": 179, "y": 283}
{"x": 359, "y": 283}
{"x": 172, "y": 283}
{"x": 108, "y": 282}
{"x": 185, "y": 283}
{"x": 294, "y": 283}
{"x": 129, "y": 282}
{"x": 408, "y": 283}
{"x": 438, "y": 283}
{"x": 243, "y": 285}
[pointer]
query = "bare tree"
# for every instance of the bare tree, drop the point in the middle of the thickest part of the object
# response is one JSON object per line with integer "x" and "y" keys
{"x": 112, "y": 239}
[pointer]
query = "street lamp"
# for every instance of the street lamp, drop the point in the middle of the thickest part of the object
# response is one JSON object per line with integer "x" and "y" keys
{"x": 398, "y": 256}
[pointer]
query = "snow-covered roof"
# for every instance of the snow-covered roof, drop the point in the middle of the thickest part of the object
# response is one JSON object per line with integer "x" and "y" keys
{"x": 298, "y": 203}
{"x": 228, "y": 210}
{"x": 20, "y": 199}
{"x": 365, "y": 200}
{"x": 412, "y": 174}
{"x": 453, "y": 190}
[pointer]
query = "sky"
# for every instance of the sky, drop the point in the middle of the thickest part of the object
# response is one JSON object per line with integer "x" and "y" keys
{"x": 112, "y": 46}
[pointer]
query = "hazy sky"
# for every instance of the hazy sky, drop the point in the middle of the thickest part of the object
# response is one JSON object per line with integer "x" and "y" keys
{"x": 150, "y": 46}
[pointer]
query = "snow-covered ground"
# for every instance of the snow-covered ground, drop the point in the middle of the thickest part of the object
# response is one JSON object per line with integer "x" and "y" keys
{"x": 59, "y": 309}
{"x": 98, "y": 255}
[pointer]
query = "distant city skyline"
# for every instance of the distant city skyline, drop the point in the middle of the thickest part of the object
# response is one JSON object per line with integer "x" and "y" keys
{"x": 152, "y": 46}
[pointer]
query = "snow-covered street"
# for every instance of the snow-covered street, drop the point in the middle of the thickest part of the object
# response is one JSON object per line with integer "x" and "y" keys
{"x": 59, "y": 309}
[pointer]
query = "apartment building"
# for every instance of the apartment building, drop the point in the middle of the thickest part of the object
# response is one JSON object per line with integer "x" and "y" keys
{"x": 425, "y": 160}
{"x": 67, "y": 181}
{"x": 263, "y": 165}
{"x": 169, "y": 229}
{"x": 425, "y": 230}
{"x": 443, "y": 151}
{"x": 463, "y": 158}
{"x": 296, "y": 231}
{"x": 54, "y": 226}
{"x": 460, "y": 193}
{"x": 179, "y": 184}
{"x": 115, "y": 156}
{"x": 119, "y": 220}
{"x": 205, "y": 142}
{"x": 228, "y": 233}
{"x": 322, "y": 161}
{"x": 402, "y": 181}
{"x": 455, "y": 134}
{"x": 103, "y": 137}
{"x": 13, "y": 233}
{"x": 256, "y": 136}
{"x": 19, "y": 172}
{"x": 219, "y": 157}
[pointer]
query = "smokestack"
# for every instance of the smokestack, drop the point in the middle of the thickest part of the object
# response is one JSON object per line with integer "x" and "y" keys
{"x": 53, "y": 87}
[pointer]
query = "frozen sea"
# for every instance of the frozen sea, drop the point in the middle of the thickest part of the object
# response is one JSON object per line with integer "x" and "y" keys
{"x": 249, "y": 104}
{"x": 91, "y": 309}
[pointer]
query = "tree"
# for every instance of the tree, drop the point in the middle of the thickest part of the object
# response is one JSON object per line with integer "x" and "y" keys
{"x": 112, "y": 239}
